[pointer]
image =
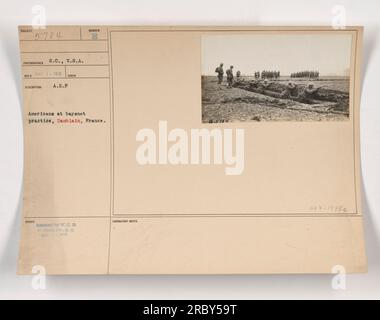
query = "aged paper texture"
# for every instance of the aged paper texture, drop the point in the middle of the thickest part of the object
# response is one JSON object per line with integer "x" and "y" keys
{"x": 191, "y": 150}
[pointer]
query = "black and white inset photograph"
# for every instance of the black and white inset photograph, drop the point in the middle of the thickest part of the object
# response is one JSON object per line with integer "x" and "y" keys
{"x": 276, "y": 77}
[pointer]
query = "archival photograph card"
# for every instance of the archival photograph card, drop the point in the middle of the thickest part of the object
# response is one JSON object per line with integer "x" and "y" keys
{"x": 277, "y": 77}
{"x": 191, "y": 150}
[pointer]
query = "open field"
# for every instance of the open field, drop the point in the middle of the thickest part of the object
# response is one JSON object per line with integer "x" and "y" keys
{"x": 239, "y": 104}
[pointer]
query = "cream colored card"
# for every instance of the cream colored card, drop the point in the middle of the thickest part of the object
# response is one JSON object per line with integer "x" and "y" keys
{"x": 146, "y": 153}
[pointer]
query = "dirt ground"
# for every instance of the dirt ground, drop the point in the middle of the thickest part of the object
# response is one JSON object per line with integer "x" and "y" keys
{"x": 221, "y": 104}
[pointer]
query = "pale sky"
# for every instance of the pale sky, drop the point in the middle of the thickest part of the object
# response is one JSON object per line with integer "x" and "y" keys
{"x": 329, "y": 53}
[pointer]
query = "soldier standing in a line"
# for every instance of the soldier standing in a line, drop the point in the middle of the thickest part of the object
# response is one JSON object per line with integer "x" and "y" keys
{"x": 219, "y": 70}
{"x": 230, "y": 77}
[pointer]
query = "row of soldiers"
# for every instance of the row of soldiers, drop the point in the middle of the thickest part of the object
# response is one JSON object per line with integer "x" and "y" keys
{"x": 305, "y": 74}
{"x": 292, "y": 91}
{"x": 267, "y": 74}
{"x": 230, "y": 76}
